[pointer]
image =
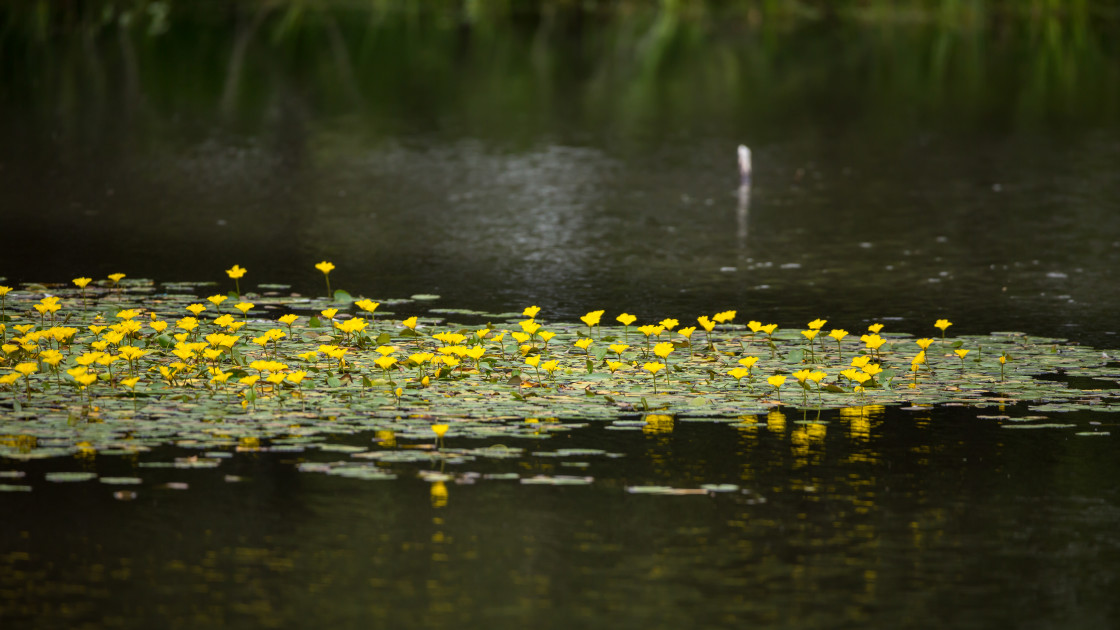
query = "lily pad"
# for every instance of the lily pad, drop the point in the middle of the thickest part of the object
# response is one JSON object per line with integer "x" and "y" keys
{"x": 63, "y": 477}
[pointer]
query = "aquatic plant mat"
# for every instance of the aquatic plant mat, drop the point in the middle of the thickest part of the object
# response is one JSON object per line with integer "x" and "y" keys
{"x": 127, "y": 368}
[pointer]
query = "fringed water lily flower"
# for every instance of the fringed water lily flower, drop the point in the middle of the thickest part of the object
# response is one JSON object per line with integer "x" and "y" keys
{"x": 235, "y": 273}
{"x": 326, "y": 268}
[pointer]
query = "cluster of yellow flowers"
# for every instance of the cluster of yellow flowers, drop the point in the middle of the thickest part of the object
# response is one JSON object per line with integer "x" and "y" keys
{"x": 204, "y": 349}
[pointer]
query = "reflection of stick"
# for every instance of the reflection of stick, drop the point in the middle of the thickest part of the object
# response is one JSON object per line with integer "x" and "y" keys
{"x": 743, "y": 213}
{"x": 744, "y": 194}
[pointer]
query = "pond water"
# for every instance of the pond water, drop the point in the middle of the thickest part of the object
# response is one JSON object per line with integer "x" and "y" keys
{"x": 903, "y": 171}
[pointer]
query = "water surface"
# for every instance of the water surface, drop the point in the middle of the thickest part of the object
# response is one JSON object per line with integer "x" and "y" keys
{"x": 904, "y": 171}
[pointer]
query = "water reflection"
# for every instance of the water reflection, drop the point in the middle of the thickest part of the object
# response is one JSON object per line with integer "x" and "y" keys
{"x": 834, "y": 514}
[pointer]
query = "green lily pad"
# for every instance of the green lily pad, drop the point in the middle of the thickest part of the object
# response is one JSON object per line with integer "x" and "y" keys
{"x": 62, "y": 477}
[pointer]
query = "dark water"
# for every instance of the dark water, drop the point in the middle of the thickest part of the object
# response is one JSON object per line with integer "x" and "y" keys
{"x": 904, "y": 171}
{"x": 904, "y": 519}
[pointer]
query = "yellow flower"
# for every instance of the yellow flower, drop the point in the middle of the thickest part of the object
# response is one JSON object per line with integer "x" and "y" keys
{"x": 626, "y": 319}
{"x": 550, "y": 366}
{"x": 82, "y": 282}
{"x": 810, "y": 334}
{"x": 918, "y": 358}
{"x": 51, "y": 357}
{"x": 131, "y": 353}
{"x": 874, "y": 342}
{"x": 419, "y": 358}
{"x": 817, "y": 376}
{"x": 768, "y": 328}
{"x": 288, "y": 319}
{"x": 439, "y": 429}
{"x": 708, "y": 324}
{"x": 116, "y": 277}
{"x": 354, "y": 325}
{"x": 325, "y": 267}
{"x": 86, "y": 380}
{"x": 859, "y": 362}
{"x": 817, "y": 324}
{"x": 235, "y": 272}
{"x": 449, "y": 337}
{"x": 650, "y": 330}
{"x": 275, "y": 379}
{"x": 663, "y": 349}
{"x": 27, "y": 369}
{"x": 531, "y": 311}
{"x": 584, "y": 343}
{"x": 127, "y": 314}
{"x": 368, "y": 306}
{"x": 534, "y": 360}
{"x": 802, "y": 374}
{"x": 614, "y": 366}
{"x": 942, "y": 324}
{"x": 860, "y": 377}
{"x": 5, "y": 290}
{"x": 1002, "y": 360}
{"x": 130, "y": 382}
{"x": 592, "y": 318}
{"x": 329, "y": 313}
{"x": 872, "y": 369}
{"x": 218, "y": 376}
{"x": 961, "y": 353}
{"x": 244, "y": 307}
{"x": 250, "y": 380}
{"x": 545, "y": 336}
{"x": 875, "y": 328}
{"x": 723, "y": 317}
{"x": 385, "y": 350}
{"x": 297, "y": 377}
{"x": 195, "y": 309}
{"x": 107, "y": 359}
{"x": 217, "y": 300}
{"x": 410, "y": 323}
{"x": 653, "y": 367}
{"x": 687, "y": 332}
{"x": 738, "y": 373}
{"x": 529, "y": 326}
{"x": 385, "y": 362}
{"x": 776, "y": 381}
{"x": 669, "y": 324}
{"x": 838, "y": 334}
{"x": 520, "y": 337}
{"x": 8, "y": 379}
{"x": 211, "y": 354}
{"x": 87, "y": 358}
{"x": 923, "y": 343}
{"x": 187, "y": 323}
{"x": 748, "y": 362}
